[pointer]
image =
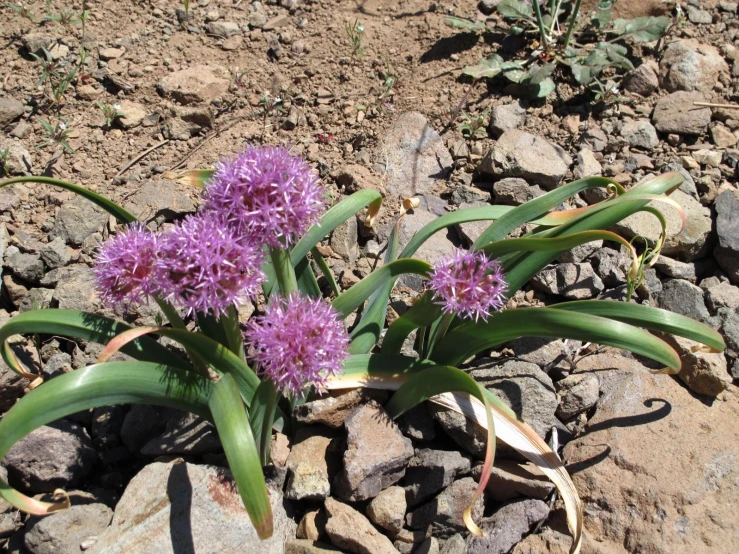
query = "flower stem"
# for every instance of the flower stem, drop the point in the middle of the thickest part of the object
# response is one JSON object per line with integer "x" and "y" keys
{"x": 571, "y": 25}
{"x": 441, "y": 329}
{"x": 284, "y": 271}
{"x": 540, "y": 23}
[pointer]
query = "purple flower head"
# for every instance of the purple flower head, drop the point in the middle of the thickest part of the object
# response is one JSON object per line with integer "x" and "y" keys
{"x": 468, "y": 284}
{"x": 265, "y": 193}
{"x": 204, "y": 266}
{"x": 124, "y": 266}
{"x": 297, "y": 343}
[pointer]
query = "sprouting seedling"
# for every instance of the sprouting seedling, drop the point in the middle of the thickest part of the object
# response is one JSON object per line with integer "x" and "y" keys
{"x": 110, "y": 112}
{"x": 473, "y": 126}
{"x": 23, "y": 12}
{"x": 355, "y": 32}
{"x": 55, "y": 134}
{"x": 53, "y": 73}
{"x": 4, "y": 153}
{"x": 66, "y": 17}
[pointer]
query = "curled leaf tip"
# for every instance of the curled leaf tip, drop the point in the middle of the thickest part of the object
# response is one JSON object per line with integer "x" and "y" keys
{"x": 61, "y": 501}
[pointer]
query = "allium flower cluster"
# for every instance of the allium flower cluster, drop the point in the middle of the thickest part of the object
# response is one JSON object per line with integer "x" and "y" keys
{"x": 468, "y": 284}
{"x": 298, "y": 342}
{"x": 203, "y": 265}
{"x": 265, "y": 193}
{"x": 124, "y": 266}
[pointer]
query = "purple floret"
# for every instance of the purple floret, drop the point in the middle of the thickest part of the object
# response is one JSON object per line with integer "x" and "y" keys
{"x": 468, "y": 284}
{"x": 204, "y": 266}
{"x": 266, "y": 193}
{"x": 124, "y": 266}
{"x": 299, "y": 342}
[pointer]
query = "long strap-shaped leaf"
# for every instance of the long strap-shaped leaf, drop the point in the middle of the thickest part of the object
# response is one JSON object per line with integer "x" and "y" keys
{"x": 470, "y": 338}
{"x": 90, "y": 387}
{"x": 390, "y": 372}
{"x": 89, "y": 327}
{"x": 108, "y": 205}
{"x": 229, "y": 417}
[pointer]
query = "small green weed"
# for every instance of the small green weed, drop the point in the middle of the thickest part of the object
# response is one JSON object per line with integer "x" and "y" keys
{"x": 55, "y": 134}
{"x": 355, "y": 32}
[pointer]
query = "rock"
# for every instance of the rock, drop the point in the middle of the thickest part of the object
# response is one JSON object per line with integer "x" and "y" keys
{"x": 525, "y": 388}
{"x": 514, "y": 191}
{"x": 726, "y": 251}
{"x": 35, "y": 41}
{"x": 506, "y": 117}
{"x": 14, "y": 289}
{"x": 579, "y": 253}
{"x": 36, "y": 299}
{"x": 444, "y": 513}
{"x": 595, "y": 139}
{"x": 542, "y": 351}
{"x": 577, "y": 393}
{"x": 308, "y": 465}
{"x": 56, "y": 254}
{"x": 699, "y": 16}
{"x": 722, "y": 137}
{"x": 355, "y": 177}
{"x": 333, "y": 410}
{"x": 675, "y": 113}
{"x": 587, "y": 164}
{"x": 351, "y": 531}
{"x": 53, "y": 456}
{"x": 631, "y": 496}
{"x": 412, "y": 157}
{"x": 200, "y": 83}
{"x": 463, "y": 431}
{"x": 430, "y": 471}
{"x": 76, "y": 290}
{"x": 108, "y": 54}
{"x": 507, "y": 526}
{"x": 19, "y": 161}
{"x": 691, "y": 66}
{"x": 703, "y": 372}
{"x": 470, "y": 231}
{"x": 454, "y": 545}
{"x": 344, "y": 240}
{"x": 78, "y": 219}
{"x": 510, "y": 480}
{"x": 575, "y": 281}
{"x": 683, "y": 297}
{"x": 312, "y": 526}
{"x": 160, "y": 201}
{"x": 10, "y": 110}
{"x": 141, "y": 424}
{"x": 133, "y": 114}
{"x": 521, "y": 154}
{"x": 63, "y": 532}
{"x": 640, "y": 134}
{"x": 177, "y": 129}
{"x": 223, "y": 29}
{"x": 417, "y": 424}
{"x": 387, "y": 509}
{"x": 677, "y": 270}
{"x": 438, "y": 246}
{"x": 689, "y": 244}
{"x": 185, "y": 434}
{"x": 11, "y": 387}
{"x": 309, "y": 547}
{"x": 642, "y": 81}
{"x": 722, "y": 295}
{"x": 376, "y": 455}
{"x": 28, "y": 267}
{"x": 548, "y": 540}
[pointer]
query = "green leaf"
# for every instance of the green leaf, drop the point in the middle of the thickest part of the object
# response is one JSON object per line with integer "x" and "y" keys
{"x": 306, "y": 279}
{"x": 642, "y": 29}
{"x": 350, "y": 300}
{"x": 108, "y": 205}
{"x": 422, "y": 314}
{"x": 488, "y": 67}
{"x": 229, "y": 417}
{"x": 512, "y": 9}
{"x": 91, "y": 387}
{"x": 325, "y": 270}
{"x": 545, "y": 88}
{"x": 262, "y": 415}
{"x": 538, "y": 73}
{"x": 459, "y": 23}
{"x": 471, "y": 338}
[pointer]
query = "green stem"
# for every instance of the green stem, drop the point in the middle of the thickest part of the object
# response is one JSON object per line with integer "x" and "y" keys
{"x": 442, "y": 328}
{"x": 176, "y": 321}
{"x": 284, "y": 272}
{"x": 571, "y": 24}
{"x": 233, "y": 332}
{"x": 540, "y": 23}
{"x": 263, "y": 422}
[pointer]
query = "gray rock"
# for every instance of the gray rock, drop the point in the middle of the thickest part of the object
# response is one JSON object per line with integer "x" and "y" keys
{"x": 575, "y": 281}
{"x": 387, "y": 509}
{"x": 691, "y": 66}
{"x": 302, "y": 546}
{"x": 333, "y": 410}
{"x": 200, "y": 83}
{"x": 688, "y": 186}
{"x": 675, "y": 113}
{"x": 703, "y": 372}
{"x": 470, "y": 231}
{"x": 10, "y": 110}
{"x": 19, "y": 161}
{"x": 577, "y": 393}
{"x": 344, "y": 240}
{"x": 675, "y": 269}
{"x": 542, "y": 351}
{"x": 417, "y": 424}
{"x": 350, "y": 530}
{"x": 580, "y": 253}
{"x": 429, "y": 471}
{"x": 595, "y": 139}
{"x": 507, "y": 526}
{"x": 56, "y": 254}
{"x": 642, "y": 81}
{"x": 510, "y": 480}
{"x": 469, "y": 195}
{"x": 428, "y": 546}
{"x": 180, "y": 507}
{"x": 521, "y": 154}
{"x": 462, "y": 430}
{"x": 160, "y": 201}
{"x": 726, "y": 251}
{"x": 698, "y": 16}
{"x": 223, "y": 29}
{"x": 63, "y": 532}
{"x": 28, "y": 267}
{"x": 683, "y": 297}
{"x": 12, "y": 386}
{"x": 587, "y": 164}
{"x": 178, "y": 129}
{"x": 438, "y": 246}
{"x": 369, "y": 468}
{"x": 524, "y": 387}
{"x": 76, "y": 290}
{"x": 506, "y": 117}
{"x": 443, "y": 514}
{"x": 412, "y": 157}
{"x": 141, "y": 424}
{"x": 454, "y": 545}
{"x": 514, "y": 191}
{"x": 53, "y": 456}
{"x": 308, "y": 475}
{"x": 640, "y": 134}
{"x": 723, "y": 295}
{"x": 78, "y": 219}
{"x": 185, "y": 434}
